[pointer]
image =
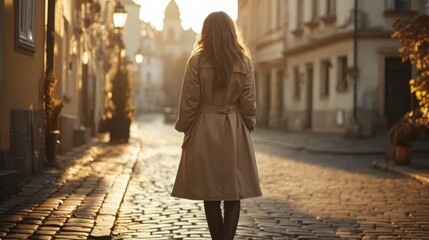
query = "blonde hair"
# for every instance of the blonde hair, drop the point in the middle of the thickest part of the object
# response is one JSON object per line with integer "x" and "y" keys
{"x": 221, "y": 44}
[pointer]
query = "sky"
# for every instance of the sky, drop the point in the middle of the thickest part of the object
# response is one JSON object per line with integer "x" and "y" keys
{"x": 192, "y": 12}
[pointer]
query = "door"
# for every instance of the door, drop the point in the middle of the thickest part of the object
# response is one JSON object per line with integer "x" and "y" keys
{"x": 267, "y": 99}
{"x": 309, "y": 98}
{"x": 397, "y": 91}
{"x": 280, "y": 97}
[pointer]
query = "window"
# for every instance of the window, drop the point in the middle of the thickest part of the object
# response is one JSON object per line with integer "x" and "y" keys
{"x": 324, "y": 80}
{"x": 149, "y": 77}
{"x": 279, "y": 14}
{"x": 297, "y": 84}
{"x": 25, "y": 11}
{"x": 314, "y": 17}
{"x": 329, "y": 13}
{"x": 314, "y": 10}
{"x": 398, "y": 5}
{"x": 300, "y": 14}
{"x": 342, "y": 74}
{"x": 280, "y": 90}
{"x": 268, "y": 16}
{"x": 170, "y": 35}
{"x": 299, "y": 18}
{"x": 330, "y": 7}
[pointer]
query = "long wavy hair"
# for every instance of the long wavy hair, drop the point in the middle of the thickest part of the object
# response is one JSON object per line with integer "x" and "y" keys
{"x": 221, "y": 44}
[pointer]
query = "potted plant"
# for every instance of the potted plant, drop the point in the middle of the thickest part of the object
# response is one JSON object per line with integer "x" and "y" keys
{"x": 413, "y": 36}
{"x": 52, "y": 107}
{"x": 402, "y": 136}
{"x": 122, "y": 108}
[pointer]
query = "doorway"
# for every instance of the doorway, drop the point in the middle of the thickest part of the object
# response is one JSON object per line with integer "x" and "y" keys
{"x": 398, "y": 99}
{"x": 267, "y": 99}
{"x": 309, "y": 98}
{"x": 280, "y": 97}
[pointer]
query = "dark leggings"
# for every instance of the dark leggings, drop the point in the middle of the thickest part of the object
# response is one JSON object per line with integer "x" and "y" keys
{"x": 222, "y": 228}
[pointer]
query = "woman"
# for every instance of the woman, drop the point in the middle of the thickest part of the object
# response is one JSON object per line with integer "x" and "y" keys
{"x": 217, "y": 112}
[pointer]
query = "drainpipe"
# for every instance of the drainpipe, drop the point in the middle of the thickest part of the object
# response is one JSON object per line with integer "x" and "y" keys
{"x": 355, "y": 62}
{"x": 50, "y": 37}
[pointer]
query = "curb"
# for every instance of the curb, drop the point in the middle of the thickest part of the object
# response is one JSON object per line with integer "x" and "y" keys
{"x": 334, "y": 152}
{"x": 315, "y": 150}
{"x": 327, "y": 151}
{"x": 279, "y": 144}
{"x": 401, "y": 171}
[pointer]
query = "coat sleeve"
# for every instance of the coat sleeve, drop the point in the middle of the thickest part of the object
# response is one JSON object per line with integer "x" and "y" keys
{"x": 247, "y": 100}
{"x": 189, "y": 97}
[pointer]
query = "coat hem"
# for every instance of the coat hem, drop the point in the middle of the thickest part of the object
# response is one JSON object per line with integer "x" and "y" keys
{"x": 217, "y": 199}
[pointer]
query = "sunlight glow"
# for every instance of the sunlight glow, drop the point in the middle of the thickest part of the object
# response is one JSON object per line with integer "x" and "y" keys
{"x": 192, "y": 12}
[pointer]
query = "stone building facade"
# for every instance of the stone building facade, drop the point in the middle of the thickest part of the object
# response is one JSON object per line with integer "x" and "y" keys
{"x": 149, "y": 94}
{"x": 83, "y": 32}
{"x": 339, "y": 75}
{"x": 22, "y": 51}
{"x": 165, "y": 53}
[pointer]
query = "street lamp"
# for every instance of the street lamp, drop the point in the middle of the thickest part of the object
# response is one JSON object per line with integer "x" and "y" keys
{"x": 119, "y": 16}
{"x": 139, "y": 56}
{"x": 85, "y": 57}
{"x": 119, "y": 19}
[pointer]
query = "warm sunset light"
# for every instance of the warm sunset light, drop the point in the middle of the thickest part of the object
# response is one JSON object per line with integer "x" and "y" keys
{"x": 192, "y": 12}
{"x": 124, "y": 119}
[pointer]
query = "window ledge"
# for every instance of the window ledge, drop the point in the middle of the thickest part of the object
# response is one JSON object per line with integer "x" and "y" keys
{"x": 399, "y": 13}
{"x": 324, "y": 97}
{"x": 296, "y": 99}
{"x": 342, "y": 87}
{"x": 312, "y": 24}
{"x": 25, "y": 48}
{"x": 329, "y": 19}
{"x": 298, "y": 31}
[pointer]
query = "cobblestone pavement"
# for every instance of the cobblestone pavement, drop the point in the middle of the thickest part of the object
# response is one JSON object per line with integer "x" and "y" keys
{"x": 306, "y": 196}
{"x": 79, "y": 200}
{"x": 104, "y": 190}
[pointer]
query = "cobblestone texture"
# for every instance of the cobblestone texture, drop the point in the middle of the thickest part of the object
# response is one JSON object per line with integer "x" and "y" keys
{"x": 306, "y": 196}
{"x": 79, "y": 200}
{"x": 123, "y": 191}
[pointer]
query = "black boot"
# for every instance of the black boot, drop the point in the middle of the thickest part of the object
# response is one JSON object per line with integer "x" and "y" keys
{"x": 214, "y": 219}
{"x": 232, "y": 214}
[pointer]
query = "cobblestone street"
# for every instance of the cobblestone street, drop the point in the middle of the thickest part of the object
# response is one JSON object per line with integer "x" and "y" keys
{"x": 79, "y": 200}
{"x": 123, "y": 191}
{"x": 306, "y": 196}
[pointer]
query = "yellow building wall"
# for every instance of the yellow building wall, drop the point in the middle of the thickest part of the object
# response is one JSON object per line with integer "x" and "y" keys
{"x": 23, "y": 73}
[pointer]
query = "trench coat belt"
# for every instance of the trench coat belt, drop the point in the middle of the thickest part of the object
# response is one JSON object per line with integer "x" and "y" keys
{"x": 218, "y": 110}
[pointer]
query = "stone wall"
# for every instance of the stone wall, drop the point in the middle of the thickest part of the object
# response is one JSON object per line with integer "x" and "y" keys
{"x": 26, "y": 154}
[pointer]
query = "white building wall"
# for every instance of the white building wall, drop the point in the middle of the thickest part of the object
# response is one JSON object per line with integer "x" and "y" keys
{"x": 327, "y": 40}
{"x": 131, "y": 35}
{"x": 336, "y": 100}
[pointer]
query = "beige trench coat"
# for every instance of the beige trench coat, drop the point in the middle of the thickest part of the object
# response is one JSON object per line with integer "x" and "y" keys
{"x": 218, "y": 161}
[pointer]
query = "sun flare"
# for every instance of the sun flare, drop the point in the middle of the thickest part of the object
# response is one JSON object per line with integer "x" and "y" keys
{"x": 192, "y": 12}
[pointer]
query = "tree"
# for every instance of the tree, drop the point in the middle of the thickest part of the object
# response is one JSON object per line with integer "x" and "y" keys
{"x": 123, "y": 110}
{"x": 51, "y": 105}
{"x": 413, "y": 36}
